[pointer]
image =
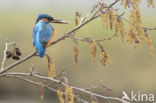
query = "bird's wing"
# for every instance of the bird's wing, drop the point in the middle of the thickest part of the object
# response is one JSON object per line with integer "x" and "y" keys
{"x": 34, "y": 32}
{"x": 45, "y": 32}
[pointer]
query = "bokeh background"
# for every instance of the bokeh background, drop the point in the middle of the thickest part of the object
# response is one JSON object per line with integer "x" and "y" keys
{"x": 131, "y": 69}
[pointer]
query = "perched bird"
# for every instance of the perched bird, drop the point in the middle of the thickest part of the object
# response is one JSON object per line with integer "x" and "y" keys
{"x": 43, "y": 32}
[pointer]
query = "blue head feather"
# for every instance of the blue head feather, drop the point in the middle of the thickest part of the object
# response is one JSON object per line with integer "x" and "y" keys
{"x": 42, "y": 16}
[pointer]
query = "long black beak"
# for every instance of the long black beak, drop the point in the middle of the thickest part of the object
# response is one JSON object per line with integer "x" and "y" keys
{"x": 60, "y": 21}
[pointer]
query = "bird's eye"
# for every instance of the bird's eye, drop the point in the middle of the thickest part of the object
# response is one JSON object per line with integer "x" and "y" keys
{"x": 50, "y": 19}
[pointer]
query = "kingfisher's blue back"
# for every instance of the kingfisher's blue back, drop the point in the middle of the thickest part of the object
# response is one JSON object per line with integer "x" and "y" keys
{"x": 42, "y": 34}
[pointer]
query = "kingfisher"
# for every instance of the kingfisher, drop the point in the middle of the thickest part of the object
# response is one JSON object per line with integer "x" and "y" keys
{"x": 43, "y": 33}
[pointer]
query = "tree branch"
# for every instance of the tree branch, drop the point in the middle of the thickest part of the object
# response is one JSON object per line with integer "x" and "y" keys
{"x": 4, "y": 58}
{"x": 22, "y": 75}
{"x": 83, "y": 22}
{"x": 58, "y": 40}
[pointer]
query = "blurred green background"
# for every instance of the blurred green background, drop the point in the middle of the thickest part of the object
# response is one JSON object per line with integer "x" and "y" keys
{"x": 131, "y": 69}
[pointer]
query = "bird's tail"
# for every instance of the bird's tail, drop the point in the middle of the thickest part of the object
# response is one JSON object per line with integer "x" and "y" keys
{"x": 39, "y": 47}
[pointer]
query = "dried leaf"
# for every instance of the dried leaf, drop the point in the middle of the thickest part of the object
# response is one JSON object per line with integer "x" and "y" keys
{"x": 76, "y": 53}
{"x": 42, "y": 91}
{"x": 92, "y": 47}
{"x": 60, "y": 95}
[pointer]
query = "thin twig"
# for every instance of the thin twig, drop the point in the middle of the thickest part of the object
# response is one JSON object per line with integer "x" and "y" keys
{"x": 38, "y": 84}
{"x": 58, "y": 81}
{"x": 5, "y": 50}
{"x": 30, "y": 81}
{"x": 145, "y": 28}
{"x": 109, "y": 38}
{"x": 18, "y": 62}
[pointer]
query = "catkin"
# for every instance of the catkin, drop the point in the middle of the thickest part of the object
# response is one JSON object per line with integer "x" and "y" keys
{"x": 92, "y": 46}
{"x": 105, "y": 19}
{"x": 150, "y": 46}
{"x": 76, "y": 53}
{"x": 140, "y": 31}
{"x": 51, "y": 68}
{"x": 42, "y": 91}
{"x": 104, "y": 58}
{"x": 69, "y": 96}
{"x": 126, "y": 3}
{"x": 60, "y": 95}
{"x": 111, "y": 18}
{"x": 132, "y": 31}
{"x": 122, "y": 30}
{"x": 149, "y": 3}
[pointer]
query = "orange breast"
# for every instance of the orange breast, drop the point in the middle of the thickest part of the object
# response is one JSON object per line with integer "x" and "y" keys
{"x": 51, "y": 39}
